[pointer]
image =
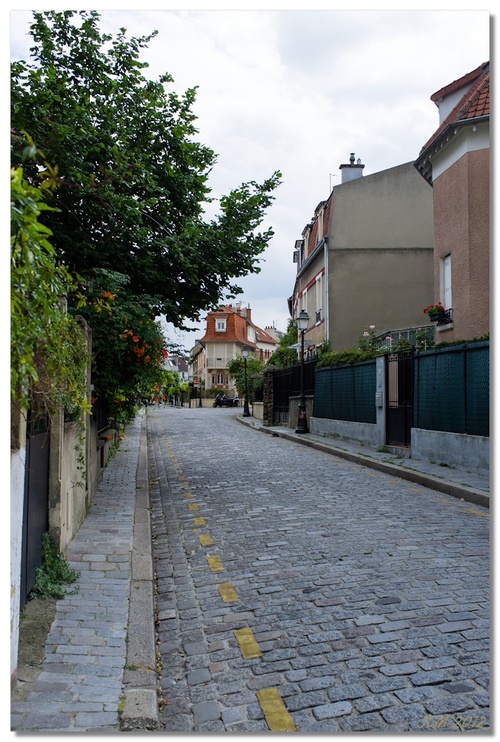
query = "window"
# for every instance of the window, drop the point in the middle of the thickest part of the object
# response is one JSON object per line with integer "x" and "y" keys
{"x": 319, "y": 296}
{"x": 306, "y": 235}
{"x": 220, "y": 325}
{"x": 303, "y": 300}
{"x": 446, "y": 282}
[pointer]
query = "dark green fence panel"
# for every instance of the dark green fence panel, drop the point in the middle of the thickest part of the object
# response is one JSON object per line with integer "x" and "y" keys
{"x": 451, "y": 389}
{"x": 478, "y": 391}
{"x": 286, "y": 384}
{"x": 346, "y": 392}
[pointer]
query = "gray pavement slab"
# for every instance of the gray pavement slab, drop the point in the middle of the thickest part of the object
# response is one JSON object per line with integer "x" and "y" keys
{"x": 80, "y": 685}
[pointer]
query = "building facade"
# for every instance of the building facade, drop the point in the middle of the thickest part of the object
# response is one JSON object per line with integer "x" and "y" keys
{"x": 366, "y": 257}
{"x": 456, "y": 162}
{"x": 228, "y": 329}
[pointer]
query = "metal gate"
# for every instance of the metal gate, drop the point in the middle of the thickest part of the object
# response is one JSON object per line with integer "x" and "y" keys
{"x": 399, "y": 394}
{"x": 286, "y": 384}
{"x": 36, "y": 498}
{"x": 282, "y": 391}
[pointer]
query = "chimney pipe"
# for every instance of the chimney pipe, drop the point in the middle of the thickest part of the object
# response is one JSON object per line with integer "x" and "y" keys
{"x": 353, "y": 170}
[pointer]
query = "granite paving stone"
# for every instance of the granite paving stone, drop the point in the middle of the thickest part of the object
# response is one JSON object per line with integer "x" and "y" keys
{"x": 366, "y": 593}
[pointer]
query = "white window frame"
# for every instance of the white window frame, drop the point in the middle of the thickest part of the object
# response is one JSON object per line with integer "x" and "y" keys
{"x": 446, "y": 281}
{"x": 319, "y": 297}
{"x": 220, "y": 324}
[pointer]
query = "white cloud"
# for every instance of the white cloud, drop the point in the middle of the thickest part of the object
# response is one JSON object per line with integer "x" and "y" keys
{"x": 298, "y": 91}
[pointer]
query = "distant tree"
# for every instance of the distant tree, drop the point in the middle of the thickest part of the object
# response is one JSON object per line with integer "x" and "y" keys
{"x": 131, "y": 177}
{"x": 236, "y": 368}
{"x": 284, "y": 355}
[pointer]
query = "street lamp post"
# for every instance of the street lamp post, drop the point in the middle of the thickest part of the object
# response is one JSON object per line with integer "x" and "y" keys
{"x": 302, "y": 322}
{"x": 244, "y": 353}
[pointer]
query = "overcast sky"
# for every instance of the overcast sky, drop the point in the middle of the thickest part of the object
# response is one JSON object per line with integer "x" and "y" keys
{"x": 298, "y": 91}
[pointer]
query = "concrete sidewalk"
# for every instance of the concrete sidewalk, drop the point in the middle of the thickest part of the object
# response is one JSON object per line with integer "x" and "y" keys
{"x": 99, "y": 669}
{"x": 467, "y": 485}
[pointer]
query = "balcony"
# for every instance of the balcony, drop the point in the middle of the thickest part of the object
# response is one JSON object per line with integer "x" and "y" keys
{"x": 218, "y": 362}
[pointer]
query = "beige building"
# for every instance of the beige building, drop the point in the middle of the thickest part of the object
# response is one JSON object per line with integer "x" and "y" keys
{"x": 456, "y": 162}
{"x": 228, "y": 329}
{"x": 366, "y": 257}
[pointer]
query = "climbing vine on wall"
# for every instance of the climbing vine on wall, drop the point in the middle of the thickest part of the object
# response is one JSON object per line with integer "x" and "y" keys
{"x": 48, "y": 348}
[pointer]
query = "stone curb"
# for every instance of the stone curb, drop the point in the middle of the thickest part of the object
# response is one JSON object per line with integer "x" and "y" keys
{"x": 140, "y": 701}
{"x": 461, "y": 492}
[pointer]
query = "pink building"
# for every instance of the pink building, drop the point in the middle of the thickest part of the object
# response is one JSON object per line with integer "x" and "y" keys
{"x": 456, "y": 162}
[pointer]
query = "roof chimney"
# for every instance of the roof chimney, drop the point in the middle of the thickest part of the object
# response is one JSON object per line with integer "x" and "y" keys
{"x": 353, "y": 170}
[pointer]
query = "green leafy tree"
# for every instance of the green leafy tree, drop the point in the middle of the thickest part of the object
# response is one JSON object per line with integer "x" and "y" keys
{"x": 284, "y": 355}
{"x": 131, "y": 177}
{"x": 128, "y": 345}
{"x": 48, "y": 350}
{"x": 236, "y": 368}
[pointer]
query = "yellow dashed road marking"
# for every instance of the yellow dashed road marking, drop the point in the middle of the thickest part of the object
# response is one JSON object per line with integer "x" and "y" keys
{"x": 414, "y": 489}
{"x": 477, "y": 512}
{"x": 248, "y": 645}
{"x": 187, "y": 495}
{"x": 215, "y": 564}
{"x": 205, "y": 540}
{"x": 277, "y": 717}
{"x": 199, "y": 521}
{"x": 441, "y": 499}
{"x": 227, "y": 592}
{"x": 193, "y": 506}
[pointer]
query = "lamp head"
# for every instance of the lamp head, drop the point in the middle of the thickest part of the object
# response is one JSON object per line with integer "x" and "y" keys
{"x": 244, "y": 351}
{"x": 302, "y": 321}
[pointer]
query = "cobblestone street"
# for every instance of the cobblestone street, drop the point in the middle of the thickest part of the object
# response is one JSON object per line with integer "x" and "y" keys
{"x": 297, "y": 591}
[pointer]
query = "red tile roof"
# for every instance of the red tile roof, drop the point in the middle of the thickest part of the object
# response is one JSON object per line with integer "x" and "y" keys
{"x": 264, "y": 337}
{"x": 475, "y": 102}
{"x": 467, "y": 79}
{"x": 236, "y": 329}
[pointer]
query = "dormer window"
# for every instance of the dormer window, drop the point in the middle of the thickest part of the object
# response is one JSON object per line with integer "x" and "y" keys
{"x": 220, "y": 324}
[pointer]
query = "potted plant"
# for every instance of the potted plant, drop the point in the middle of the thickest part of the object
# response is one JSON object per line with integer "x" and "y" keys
{"x": 435, "y": 311}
